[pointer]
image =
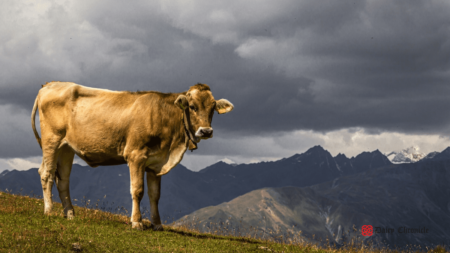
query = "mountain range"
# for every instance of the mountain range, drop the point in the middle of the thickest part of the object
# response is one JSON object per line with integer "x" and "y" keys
{"x": 412, "y": 196}
{"x": 184, "y": 191}
{"x": 309, "y": 188}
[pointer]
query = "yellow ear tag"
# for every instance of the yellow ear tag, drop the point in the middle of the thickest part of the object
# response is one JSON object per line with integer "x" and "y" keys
{"x": 222, "y": 110}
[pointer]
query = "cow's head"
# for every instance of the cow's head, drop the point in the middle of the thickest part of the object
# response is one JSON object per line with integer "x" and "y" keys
{"x": 199, "y": 105}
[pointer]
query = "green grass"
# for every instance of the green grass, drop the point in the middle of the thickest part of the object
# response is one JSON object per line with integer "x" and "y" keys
{"x": 25, "y": 228}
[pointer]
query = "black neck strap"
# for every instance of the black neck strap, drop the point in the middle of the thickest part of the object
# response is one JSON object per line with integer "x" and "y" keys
{"x": 189, "y": 135}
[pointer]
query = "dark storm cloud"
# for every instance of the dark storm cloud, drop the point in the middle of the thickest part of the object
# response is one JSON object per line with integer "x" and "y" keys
{"x": 289, "y": 65}
{"x": 16, "y": 139}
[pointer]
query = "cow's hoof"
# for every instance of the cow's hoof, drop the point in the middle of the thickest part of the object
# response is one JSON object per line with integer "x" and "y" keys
{"x": 157, "y": 227}
{"x": 70, "y": 215}
{"x": 137, "y": 225}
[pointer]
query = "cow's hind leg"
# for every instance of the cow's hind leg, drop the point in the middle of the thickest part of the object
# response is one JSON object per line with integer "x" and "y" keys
{"x": 64, "y": 167}
{"x": 154, "y": 192}
{"x": 48, "y": 169}
{"x": 137, "y": 192}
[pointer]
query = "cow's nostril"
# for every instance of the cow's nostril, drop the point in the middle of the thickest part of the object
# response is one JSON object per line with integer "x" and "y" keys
{"x": 206, "y": 132}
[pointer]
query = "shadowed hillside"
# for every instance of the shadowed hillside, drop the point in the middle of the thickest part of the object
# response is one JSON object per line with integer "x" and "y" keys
{"x": 395, "y": 196}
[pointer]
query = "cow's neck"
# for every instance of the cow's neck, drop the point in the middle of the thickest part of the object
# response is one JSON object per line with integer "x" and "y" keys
{"x": 179, "y": 146}
{"x": 188, "y": 134}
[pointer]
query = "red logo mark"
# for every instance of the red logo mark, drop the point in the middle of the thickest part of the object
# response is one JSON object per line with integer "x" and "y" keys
{"x": 367, "y": 230}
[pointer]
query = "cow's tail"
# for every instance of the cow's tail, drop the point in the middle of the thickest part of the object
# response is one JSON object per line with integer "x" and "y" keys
{"x": 33, "y": 121}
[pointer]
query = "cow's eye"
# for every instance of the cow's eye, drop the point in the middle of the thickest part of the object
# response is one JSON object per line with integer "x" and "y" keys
{"x": 193, "y": 108}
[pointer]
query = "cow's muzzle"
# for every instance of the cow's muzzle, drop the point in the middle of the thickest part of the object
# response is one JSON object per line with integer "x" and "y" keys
{"x": 204, "y": 132}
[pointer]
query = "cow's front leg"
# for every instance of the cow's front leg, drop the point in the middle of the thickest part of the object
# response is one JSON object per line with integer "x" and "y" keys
{"x": 137, "y": 171}
{"x": 154, "y": 190}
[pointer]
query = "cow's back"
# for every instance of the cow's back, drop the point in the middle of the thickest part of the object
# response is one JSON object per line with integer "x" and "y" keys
{"x": 92, "y": 121}
{"x": 63, "y": 105}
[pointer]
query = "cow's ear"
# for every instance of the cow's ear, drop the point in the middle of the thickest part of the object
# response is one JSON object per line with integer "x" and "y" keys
{"x": 182, "y": 102}
{"x": 223, "y": 106}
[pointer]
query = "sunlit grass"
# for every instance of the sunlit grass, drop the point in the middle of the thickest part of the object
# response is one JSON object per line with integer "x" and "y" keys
{"x": 25, "y": 228}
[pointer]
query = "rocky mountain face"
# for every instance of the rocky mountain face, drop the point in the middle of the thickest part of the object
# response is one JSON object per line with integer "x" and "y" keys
{"x": 362, "y": 162}
{"x": 438, "y": 156}
{"x": 393, "y": 199}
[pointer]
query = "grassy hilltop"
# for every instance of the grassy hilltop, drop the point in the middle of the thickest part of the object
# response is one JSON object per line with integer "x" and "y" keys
{"x": 24, "y": 228}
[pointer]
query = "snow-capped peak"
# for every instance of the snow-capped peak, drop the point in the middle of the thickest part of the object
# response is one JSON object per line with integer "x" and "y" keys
{"x": 408, "y": 155}
{"x": 228, "y": 161}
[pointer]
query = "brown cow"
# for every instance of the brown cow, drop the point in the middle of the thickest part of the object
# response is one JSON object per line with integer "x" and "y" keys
{"x": 150, "y": 131}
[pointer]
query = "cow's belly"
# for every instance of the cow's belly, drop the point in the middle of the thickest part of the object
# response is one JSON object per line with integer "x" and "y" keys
{"x": 154, "y": 161}
{"x": 104, "y": 154}
{"x": 100, "y": 159}
{"x": 96, "y": 151}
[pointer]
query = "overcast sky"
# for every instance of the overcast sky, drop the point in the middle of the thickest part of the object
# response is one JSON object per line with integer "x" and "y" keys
{"x": 351, "y": 76}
